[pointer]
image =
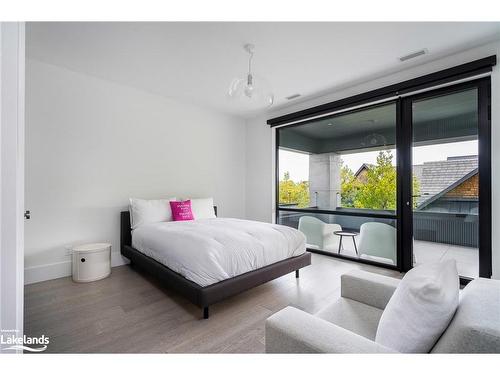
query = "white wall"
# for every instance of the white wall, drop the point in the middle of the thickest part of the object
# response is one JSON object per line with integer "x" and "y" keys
{"x": 259, "y": 170}
{"x": 260, "y": 144}
{"x": 92, "y": 144}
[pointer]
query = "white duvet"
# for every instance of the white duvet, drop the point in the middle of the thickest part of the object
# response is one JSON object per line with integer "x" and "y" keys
{"x": 207, "y": 251}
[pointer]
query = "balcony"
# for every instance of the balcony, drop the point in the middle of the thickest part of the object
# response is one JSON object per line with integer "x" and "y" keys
{"x": 437, "y": 236}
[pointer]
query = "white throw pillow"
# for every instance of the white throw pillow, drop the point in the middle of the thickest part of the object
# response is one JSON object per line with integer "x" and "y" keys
{"x": 421, "y": 308}
{"x": 203, "y": 208}
{"x": 144, "y": 211}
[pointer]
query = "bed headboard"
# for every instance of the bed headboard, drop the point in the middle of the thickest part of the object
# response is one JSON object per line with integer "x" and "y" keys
{"x": 126, "y": 231}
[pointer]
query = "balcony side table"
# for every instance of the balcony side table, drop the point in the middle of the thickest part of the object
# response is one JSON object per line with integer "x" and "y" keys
{"x": 346, "y": 233}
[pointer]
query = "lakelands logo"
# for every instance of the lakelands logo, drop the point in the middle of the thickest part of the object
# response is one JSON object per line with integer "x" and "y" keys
{"x": 9, "y": 340}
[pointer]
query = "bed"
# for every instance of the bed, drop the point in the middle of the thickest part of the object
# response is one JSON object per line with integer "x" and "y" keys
{"x": 206, "y": 287}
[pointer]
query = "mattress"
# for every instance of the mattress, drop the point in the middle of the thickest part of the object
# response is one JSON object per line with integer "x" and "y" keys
{"x": 207, "y": 251}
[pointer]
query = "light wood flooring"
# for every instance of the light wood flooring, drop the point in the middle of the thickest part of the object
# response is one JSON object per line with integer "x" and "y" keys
{"x": 129, "y": 312}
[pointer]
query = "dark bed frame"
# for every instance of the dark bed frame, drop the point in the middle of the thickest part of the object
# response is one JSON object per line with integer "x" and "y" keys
{"x": 208, "y": 295}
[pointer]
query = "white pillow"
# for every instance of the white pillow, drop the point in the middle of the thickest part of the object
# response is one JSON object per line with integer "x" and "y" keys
{"x": 203, "y": 208}
{"x": 421, "y": 308}
{"x": 144, "y": 211}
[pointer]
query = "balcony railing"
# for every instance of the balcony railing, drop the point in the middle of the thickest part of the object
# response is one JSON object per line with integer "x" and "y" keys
{"x": 442, "y": 227}
{"x": 439, "y": 227}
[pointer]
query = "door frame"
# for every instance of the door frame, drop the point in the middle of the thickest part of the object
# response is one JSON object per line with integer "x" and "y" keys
{"x": 395, "y": 216}
{"x": 404, "y": 212}
{"x": 12, "y": 94}
{"x": 483, "y": 86}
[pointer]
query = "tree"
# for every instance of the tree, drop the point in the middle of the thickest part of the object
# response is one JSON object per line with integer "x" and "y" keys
{"x": 349, "y": 186}
{"x": 377, "y": 190}
{"x": 415, "y": 191}
{"x": 291, "y": 192}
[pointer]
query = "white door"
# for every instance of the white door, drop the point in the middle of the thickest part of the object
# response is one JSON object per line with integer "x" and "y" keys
{"x": 11, "y": 178}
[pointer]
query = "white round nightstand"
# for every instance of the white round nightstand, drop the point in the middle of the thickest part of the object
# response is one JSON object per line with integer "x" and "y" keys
{"x": 91, "y": 262}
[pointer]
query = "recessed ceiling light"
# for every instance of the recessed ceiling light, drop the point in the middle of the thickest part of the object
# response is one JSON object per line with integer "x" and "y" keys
{"x": 330, "y": 124}
{"x": 294, "y": 96}
{"x": 413, "y": 55}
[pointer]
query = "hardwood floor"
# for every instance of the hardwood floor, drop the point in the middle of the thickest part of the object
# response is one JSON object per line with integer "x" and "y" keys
{"x": 130, "y": 313}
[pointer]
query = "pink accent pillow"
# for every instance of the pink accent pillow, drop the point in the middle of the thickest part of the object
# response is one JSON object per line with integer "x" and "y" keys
{"x": 181, "y": 210}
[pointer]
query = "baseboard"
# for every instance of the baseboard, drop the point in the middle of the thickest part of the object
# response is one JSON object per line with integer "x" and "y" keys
{"x": 51, "y": 271}
{"x": 45, "y": 272}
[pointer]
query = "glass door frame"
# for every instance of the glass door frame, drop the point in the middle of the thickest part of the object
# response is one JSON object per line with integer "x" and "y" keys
{"x": 404, "y": 212}
{"x": 404, "y": 151}
{"x": 396, "y": 216}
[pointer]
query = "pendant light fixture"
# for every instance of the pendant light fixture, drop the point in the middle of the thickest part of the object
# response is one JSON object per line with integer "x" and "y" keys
{"x": 251, "y": 92}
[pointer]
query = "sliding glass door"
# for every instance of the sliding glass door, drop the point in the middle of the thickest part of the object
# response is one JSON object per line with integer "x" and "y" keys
{"x": 395, "y": 184}
{"x": 449, "y": 204}
{"x": 337, "y": 183}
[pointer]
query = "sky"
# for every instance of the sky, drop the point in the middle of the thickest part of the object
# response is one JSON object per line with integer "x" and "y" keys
{"x": 298, "y": 163}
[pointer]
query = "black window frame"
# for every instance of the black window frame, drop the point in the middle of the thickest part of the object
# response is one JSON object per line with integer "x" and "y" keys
{"x": 405, "y": 96}
{"x": 483, "y": 86}
{"x": 396, "y": 267}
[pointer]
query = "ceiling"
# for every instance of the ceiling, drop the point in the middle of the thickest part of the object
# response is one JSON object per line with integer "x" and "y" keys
{"x": 376, "y": 119}
{"x": 435, "y": 119}
{"x": 195, "y": 62}
{"x": 382, "y": 118}
{"x": 446, "y": 106}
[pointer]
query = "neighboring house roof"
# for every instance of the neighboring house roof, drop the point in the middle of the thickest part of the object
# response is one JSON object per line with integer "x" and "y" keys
{"x": 417, "y": 171}
{"x": 363, "y": 167}
{"x": 438, "y": 177}
{"x": 447, "y": 189}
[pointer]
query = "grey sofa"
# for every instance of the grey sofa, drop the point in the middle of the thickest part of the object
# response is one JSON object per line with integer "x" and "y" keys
{"x": 349, "y": 325}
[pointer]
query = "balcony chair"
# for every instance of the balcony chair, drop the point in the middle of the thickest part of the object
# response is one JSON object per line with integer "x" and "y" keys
{"x": 349, "y": 325}
{"x": 377, "y": 241}
{"x": 319, "y": 235}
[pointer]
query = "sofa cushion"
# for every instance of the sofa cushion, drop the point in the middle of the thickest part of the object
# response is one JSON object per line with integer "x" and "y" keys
{"x": 352, "y": 315}
{"x": 294, "y": 331}
{"x": 475, "y": 328}
{"x": 421, "y": 308}
{"x": 368, "y": 288}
